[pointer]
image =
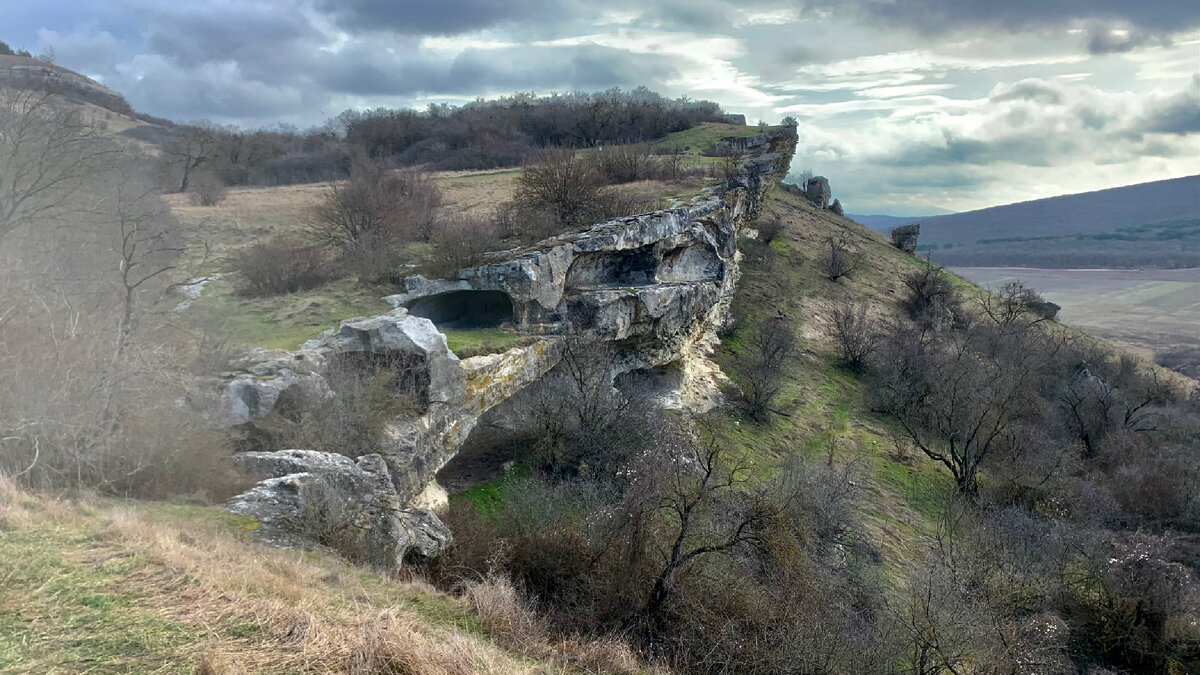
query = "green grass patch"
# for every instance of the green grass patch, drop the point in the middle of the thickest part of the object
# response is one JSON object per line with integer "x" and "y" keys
{"x": 65, "y": 604}
{"x": 489, "y": 498}
{"x": 286, "y": 321}
{"x": 700, "y": 139}
{"x": 468, "y": 343}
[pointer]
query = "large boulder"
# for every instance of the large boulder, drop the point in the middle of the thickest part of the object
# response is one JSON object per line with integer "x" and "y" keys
{"x": 817, "y": 191}
{"x": 836, "y": 207}
{"x": 311, "y": 500}
{"x": 905, "y": 237}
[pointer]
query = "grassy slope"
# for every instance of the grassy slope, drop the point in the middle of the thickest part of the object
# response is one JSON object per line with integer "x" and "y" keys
{"x": 102, "y": 585}
{"x": 824, "y": 404}
{"x": 826, "y": 416}
{"x": 107, "y": 586}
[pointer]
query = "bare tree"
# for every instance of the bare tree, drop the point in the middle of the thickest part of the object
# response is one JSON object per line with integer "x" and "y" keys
{"x": 761, "y": 365}
{"x": 730, "y": 163}
{"x": 376, "y": 207}
{"x": 770, "y": 228}
{"x": 460, "y": 242}
{"x": 932, "y": 300}
{"x": 193, "y": 147}
{"x": 839, "y": 259}
{"x": 955, "y": 403}
{"x": 149, "y": 247}
{"x": 708, "y": 510}
{"x": 855, "y": 335}
{"x": 562, "y": 183}
{"x": 48, "y": 153}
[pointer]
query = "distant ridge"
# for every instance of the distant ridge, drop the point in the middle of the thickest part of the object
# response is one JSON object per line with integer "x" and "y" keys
{"x": 1153, "y": 224}
{"x": 882, "y": 223}
{"x": 23, "y": 72}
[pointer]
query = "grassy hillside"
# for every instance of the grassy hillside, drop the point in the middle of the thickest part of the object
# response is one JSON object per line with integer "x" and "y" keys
{"x": 107, "y": 586}
{"x": 1148, "y": 225}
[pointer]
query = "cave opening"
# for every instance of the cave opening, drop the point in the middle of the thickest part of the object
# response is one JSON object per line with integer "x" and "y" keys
{"x": 465, "y": 310}
{"x": 632, "y": 267}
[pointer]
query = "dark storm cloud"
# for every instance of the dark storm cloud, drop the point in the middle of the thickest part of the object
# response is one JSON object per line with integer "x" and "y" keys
{"x": 1178, "y": 115}
{"x": 584, "y": 66}
{"x": 938, "y": 16}
{"x": 442, "y": 17}
{"x": 1028, "y": 150}
{"x": 1108, "y": 25}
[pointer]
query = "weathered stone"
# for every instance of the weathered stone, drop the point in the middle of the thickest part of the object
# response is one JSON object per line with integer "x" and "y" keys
{"x": 817, "y": 191}
{"x": 836, "y": 207}
{"x": 740, "y": 144}
{"x": 905, "y": 237}
{"x": 309, "y": 499}
{"x": 1044, "y": 309}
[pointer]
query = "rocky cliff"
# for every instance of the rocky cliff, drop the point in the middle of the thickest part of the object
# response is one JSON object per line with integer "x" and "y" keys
{"x": 652, "y": 288}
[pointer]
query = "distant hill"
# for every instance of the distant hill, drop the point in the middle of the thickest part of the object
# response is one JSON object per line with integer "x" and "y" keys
{"x": 1148, "y": 225}
{"x": 881, "y": 223}
{"x": 23, "y": 72}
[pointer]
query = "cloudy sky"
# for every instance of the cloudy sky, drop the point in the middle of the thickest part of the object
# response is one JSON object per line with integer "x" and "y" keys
{"x": 908, "y": 106}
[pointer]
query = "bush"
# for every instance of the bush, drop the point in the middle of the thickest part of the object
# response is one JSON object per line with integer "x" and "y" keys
{"x": 460, "y": 242}
{"x": 839, "y": 260}
{"x": 378, "y": 204}
{"x": 369, "y": 390}
{"x": 760, "y": 365}
{"x": 770, "y": 229}
{"x": 855, "y": 336}
{"x": 932, "y": 300}
{"x": 563, "y": 184}
{"x": 207, "y": 189}
{"x": 281, "y": 266}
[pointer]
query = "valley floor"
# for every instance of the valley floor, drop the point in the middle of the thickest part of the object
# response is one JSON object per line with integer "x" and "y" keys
{"x": 1150, "y": 310}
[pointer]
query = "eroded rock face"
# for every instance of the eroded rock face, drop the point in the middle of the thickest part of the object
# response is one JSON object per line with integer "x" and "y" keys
{"x": 817, "y": 191}
{"x": 309, "y": 499}
{"x": 653, "y": 286}
{"x": 905, "y": 237}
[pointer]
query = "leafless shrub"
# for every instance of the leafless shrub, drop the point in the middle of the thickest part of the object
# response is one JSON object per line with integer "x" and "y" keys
{"x": 839, "y": 259}
{"x": 729, "y": 164}
{"x": 365, "y": 392}
{"x": 624, "y": 164}
{"x": 281, "y": 266}
{"x": 523, "y": 223}
{"x": 769, "y": 229}
{"x": 460, "y": 242}
{"x": 563, "y": 184}
{"x": 761, "y": 365}
{"x": 855, "y": 335}
{"x": 614, "y": 203}
{"x": 378, "y": 259}
{"x": 207, "y": 189}
{"x": 375, "y": 202}
{"x": 932, "y": 300}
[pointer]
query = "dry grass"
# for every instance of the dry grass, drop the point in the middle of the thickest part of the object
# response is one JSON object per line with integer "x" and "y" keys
{"x": 170, "y": 588}
{"x": 506, "y": 615}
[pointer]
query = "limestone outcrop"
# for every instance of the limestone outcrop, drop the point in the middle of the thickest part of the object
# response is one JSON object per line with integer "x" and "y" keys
{"x": 310, "y": 499}
{"x": 905, "y": 237}
{"x": 817, "y": 191}
{"x": 653, "y": 287}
